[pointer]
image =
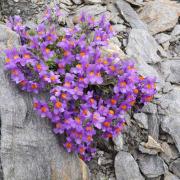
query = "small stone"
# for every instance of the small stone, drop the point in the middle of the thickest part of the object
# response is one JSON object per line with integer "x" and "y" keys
{"x": 152, "y": 144}
{"x": 166, "y": 45}
{"x": 67, "y": 2}
{"x": 175, "y": 167}
{"x": 170, "y": 176}
{"x": 151, "y": 165}
{"x": 126, "y": 167}
{"x": 162, "y": 38}
{"x": 176, "y": 30}
{"x": 147, "y": 151}
{"x": 170, "y": 70}
{"x": 119, "y": 142}
{"x": 170, "y": 152}
{"x": 142, "y": 120}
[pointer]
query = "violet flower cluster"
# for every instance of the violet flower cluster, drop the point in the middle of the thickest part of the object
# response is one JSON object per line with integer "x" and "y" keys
{"x": 88, "y": 92}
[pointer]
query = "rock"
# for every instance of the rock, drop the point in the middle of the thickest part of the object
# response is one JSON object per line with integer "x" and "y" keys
{"x": 171, "y": 125}
{"x": 160, "y": 15}
{"x": 176, "y": 30}
{"x": 171, "y": 102}
{"x": 170, "y": 70}
{"x": 119, "y": 142}
{"x": 151, "y": 166}
{"x": 130, "y": 15}
{"x": 113, "y": 48}
{"x": 162, "y": 38}
{"x": 119, "y": 28}
{"x": 152, "y": 144}
{"x": 92, "y": 9}
{"x": 153, "y": 125}
{"x": 27, "y": 9}
{"x": 77, "y": 1}
{"x": 150, "y": 108}
{"x": 29, "y": 149}
{"x": 67, "y": 2}
{"x": 142, "y": 46}
{"x": 142, "y": 119}
{"x": 147, "y": 151}
{"x": 170, "y": 176}
{"x": 170, "y": 152}
{"x": 136, "y": 3}
{"x": 92, "y": 1}
{"x": 167, "y": 87}
{"x": 126, "y": 167}
{"x": 175, "y": 167}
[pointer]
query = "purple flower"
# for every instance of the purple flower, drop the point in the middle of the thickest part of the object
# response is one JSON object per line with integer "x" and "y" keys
{"x": 97, "y": 120}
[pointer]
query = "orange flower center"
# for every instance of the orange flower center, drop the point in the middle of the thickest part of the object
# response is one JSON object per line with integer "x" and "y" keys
{"x": 82, "y": 54}
{"x": 47, "y": 50}
{"x": 34, "y": 86}
{"x": 68, "y": 145}
{"x": 64, "y": 95}
{"x": 58, "y": 104}
{"x": 44, "y": 109}
{"x": 106, "y": 124}
{"x": 113, "y": 101}
{"x": 79, "y": 66}
{"x": 111, "y": 112}
{"x": 27, "y": 56}
{"x": 123, "y": 84}
{"x": 7, "y": 60}
{"x": 39, "y": 67}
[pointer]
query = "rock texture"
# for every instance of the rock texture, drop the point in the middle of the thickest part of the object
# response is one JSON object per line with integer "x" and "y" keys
{"x": 126, "y": 167}
{"x": 29, "y": 149}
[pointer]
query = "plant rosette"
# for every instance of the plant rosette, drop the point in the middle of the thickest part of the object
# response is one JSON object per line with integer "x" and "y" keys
{"x": 89, "y": 94}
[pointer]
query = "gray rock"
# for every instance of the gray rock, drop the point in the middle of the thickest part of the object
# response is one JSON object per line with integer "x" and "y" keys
{"x": 171, "y": 102}
{"x": 142, "y": 119}
{"x": 151, "y": 166}
{"x": 67, "y": 2}
{"x": 176, "y": 30}
{"x": 29, "y": 149}
{"x": 160, "y": 15}
{"x": 175, "y": 167}
{"x": 92, "y": 1}
{"x": 150, "y": 108}
{"x": 130, "y": 15}
{"x": 77, "y": 1}
{"x": 162, "y": 38}
{"x": 170, "y": 176}
{"x": 170, "y": 152}
{"x": 142, "y": 46}
{"x": 27, "y": 9}
{"x": 147, "y": 151}
{"x": 92, "y": 9}
{"x": 167, "y": 87}
{"x": 119, "y": 142}
{"x": 119, "y": 28}
{"x": 171, "y": 125}
{"x": 153, "y": 125}
{"x": 170, "y": 70}
{"x": 126, "y": 167}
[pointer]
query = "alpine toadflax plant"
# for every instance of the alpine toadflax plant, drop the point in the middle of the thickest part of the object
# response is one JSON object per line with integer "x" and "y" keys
{"x": 88, "y": 91}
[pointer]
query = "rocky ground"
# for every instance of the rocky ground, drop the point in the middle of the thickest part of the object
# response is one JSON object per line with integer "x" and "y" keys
{"x": 149, "y": 146}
